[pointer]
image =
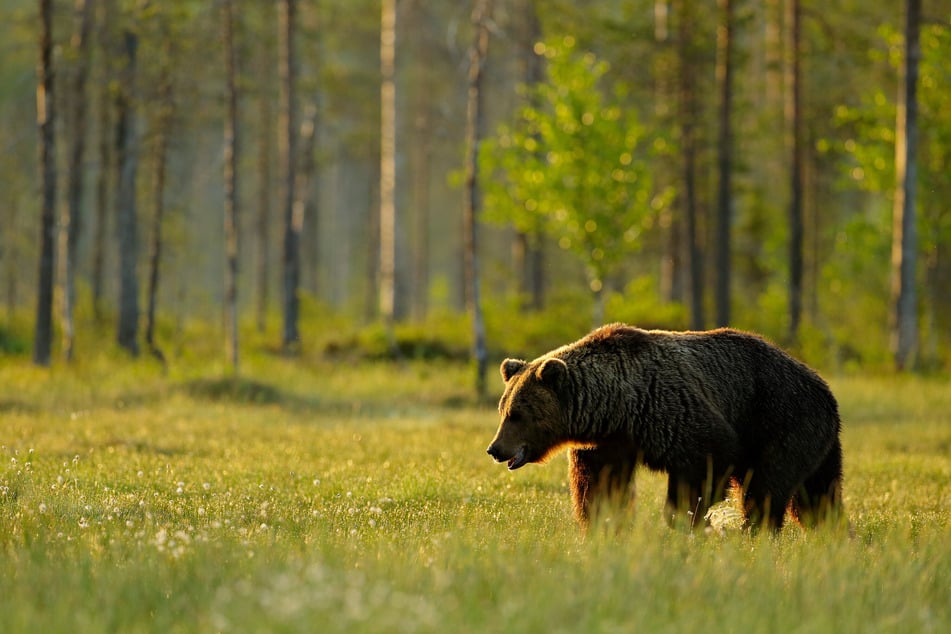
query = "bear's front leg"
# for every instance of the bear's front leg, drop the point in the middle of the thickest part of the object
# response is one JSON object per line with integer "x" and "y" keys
{"x": 600, "y": 474}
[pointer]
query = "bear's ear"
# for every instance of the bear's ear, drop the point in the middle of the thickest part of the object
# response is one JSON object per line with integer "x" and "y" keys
{"x": 511, "y": 367}
{"x": 552, "y": 372}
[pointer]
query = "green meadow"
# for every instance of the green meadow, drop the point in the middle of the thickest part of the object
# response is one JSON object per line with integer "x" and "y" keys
{"x": 357, "y": 497}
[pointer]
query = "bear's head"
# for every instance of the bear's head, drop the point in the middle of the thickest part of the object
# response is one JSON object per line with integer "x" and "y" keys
{"x": 533, "y": 419}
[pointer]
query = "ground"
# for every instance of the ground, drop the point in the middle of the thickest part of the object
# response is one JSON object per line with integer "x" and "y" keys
{"x": 138, "y": 501}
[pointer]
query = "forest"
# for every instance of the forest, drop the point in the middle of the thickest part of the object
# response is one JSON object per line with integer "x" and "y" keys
{"x": 474, "y": 179}
{"x": 253, "y": 254}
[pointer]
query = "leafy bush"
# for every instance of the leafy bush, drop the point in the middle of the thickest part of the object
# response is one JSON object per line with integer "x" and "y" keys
{"x": 640, "y": 305}
{"x": 12, "y": 341}
{"x": 445, "y": 337}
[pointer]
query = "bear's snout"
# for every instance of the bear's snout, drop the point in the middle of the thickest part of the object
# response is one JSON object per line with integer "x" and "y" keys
{"x": 496, "y": 452}
{"x": 514, "y": 459}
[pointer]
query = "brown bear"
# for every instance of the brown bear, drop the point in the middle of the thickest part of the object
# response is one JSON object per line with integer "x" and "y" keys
{"x": 708, "y": 408}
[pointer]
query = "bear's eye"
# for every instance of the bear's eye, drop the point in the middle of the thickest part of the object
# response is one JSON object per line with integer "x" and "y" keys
{"x": 515, "y": 417}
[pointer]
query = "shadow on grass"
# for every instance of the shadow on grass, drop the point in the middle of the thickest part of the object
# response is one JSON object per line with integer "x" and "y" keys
{"x": 236, "y": 390}
{"x": 245, "y": 391}
{"x": 11, "y": 406}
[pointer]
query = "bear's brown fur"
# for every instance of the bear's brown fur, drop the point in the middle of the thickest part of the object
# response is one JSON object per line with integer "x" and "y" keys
{"x": 705, "y": 407}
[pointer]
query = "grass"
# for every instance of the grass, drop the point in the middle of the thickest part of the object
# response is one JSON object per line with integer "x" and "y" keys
{"x": 358, "y": 498}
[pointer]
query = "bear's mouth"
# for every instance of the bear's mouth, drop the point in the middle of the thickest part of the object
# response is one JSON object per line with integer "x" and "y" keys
{"x": 519, "y": 459}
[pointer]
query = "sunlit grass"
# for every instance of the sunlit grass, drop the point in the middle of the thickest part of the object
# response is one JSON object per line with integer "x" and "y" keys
{"x": 321, "y": 497}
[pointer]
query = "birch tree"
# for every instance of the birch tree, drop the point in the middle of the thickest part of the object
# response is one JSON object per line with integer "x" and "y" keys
{"x": 689, "y": 114}
{"x": 481, "y": 15}
{"x": 904, "y": 327}
{"x": 387, "y": 284}
{"x": 71, "y": 221}
{"x": 231, "y": 147}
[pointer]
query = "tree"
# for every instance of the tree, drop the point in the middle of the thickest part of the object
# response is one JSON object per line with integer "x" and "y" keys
{"x": 689, "y": 114}
{"x": 388, "y": 161}
{"x": 572, "y": 166}
{"x": 866, "y": 156}
{"x": 105, "y": 156}
{"x": 904, "y": 327}
{"x": 724, "y": 158}
{"x": 481, "y": 15}
{"x": 794, "y": 121}
{"x": 262, "y": 233}
{"x": 672, "y": 271}
{"x": 528, "y": 246}
{"x": 127, "y": 150}
{"x": 45, "y": 120}
{"x": 231, "y": 188}
{"x": 305, "y": 199}
{"x": 71, "y": 218}
{"x": 163, "y": 124}
{"x": 287, "y": 152}
{"x": 421, "y": 152}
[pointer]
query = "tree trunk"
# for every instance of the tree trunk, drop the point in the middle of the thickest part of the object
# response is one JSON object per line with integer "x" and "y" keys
{"x": 527, "y": 248}
{"x": 263, "y": 219}
{"x": 421, "y": 160}
{"x": 71, "y": 221}
{"x": 688, "y": 115}
{"x": 537, "y": 284}
{"x": 305, "y": 200}
{"x": 671, "y": 266}
{"x": 371, "y": 299}
{"x": 388, "y": 161}
{"x": 287, "y": 151}
{"x": 929, "y": 350}
{"x": 45, "y": 121}
{"x": 423, "y": 153}
{"x": 310, "y": 192}
{"x": 105, "y": 165}
{"x": 127, "y": 150}
{"x": 231, "y": 191}
{"x": 481, "y": 15}
{"x": 796, "y": 229}
{"x": 11, "y": 213}
{"x": 724, "y": 158}
{"x": 520, "y": 265}
{"x": 904, "y": 327}
{"x": 163, "y": 122}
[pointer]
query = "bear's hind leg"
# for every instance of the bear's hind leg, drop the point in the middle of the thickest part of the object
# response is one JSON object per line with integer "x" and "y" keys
{"x": 600, "y": 474}
{"x": 820, "y": 496}
{"x": 766, "y": 496}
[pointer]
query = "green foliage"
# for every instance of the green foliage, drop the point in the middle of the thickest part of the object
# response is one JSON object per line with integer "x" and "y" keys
{"x": 512, "y": 332}
{"x": 446, "y": 337}
{"x": 12, "y": 340}
{"x": 639, "y": 305}
{"x": 354, "y": 500}
{"x": 437, "y": 338}
{"x": 857, "y": 279}
{"x": 573, "y": 164}
{"x": 858, "y": 275}
{"x": 871, "y": 124}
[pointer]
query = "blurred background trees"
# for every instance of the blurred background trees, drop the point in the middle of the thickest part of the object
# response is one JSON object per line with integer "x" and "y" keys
{"x": 671, "y": 163}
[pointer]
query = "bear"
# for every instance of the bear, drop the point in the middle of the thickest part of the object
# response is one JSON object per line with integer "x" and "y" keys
{"x": 712, "y": 409}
